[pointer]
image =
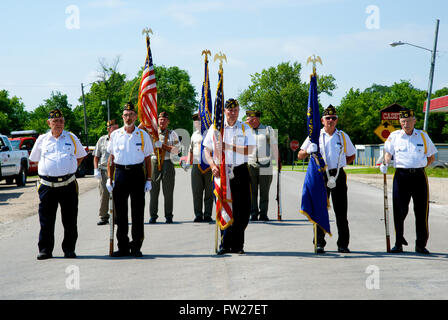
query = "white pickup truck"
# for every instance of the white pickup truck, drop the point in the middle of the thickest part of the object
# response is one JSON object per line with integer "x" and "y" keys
{"x": 14, "y": 164}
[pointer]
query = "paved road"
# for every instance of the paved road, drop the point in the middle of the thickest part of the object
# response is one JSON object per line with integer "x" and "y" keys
{"x": 179, "y": 260}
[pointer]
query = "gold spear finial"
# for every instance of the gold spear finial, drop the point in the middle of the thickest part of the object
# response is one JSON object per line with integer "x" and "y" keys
{"x": 206, "y": 53}
{"x": 147, "y": 31}
{"x": 314, "y": 59}
{"x": 220, "y": 57}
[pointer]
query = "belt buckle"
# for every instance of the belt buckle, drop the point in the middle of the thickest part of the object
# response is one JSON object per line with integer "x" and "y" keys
{"x": 412, "y": 170}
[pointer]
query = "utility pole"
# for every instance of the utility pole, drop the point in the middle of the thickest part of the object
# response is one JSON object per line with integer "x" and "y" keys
{"x": 85, "y": 116}
{"x": 431, "y": 76}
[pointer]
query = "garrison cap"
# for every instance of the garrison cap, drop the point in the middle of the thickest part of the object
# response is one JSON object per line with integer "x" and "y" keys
{"x": 55, "y": 113}
{"x": 330, "y": 111}
{"x": 164, "y": 114}
{"x": 253, "y": 113}
{"x": 406, "y": 113}
{"x": 111, "y": 122}
{"x": 129, "y": 106}
{"x": 232, "y": 103}
{"x": 195, "y": 117}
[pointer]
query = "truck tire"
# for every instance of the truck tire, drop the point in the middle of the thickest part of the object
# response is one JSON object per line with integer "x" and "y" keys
{"x": 21, "y": 177}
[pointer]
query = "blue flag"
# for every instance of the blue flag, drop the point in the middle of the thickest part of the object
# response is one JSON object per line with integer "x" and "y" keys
{"x": 314, "y": 193}
{"x": 205, "y": 114}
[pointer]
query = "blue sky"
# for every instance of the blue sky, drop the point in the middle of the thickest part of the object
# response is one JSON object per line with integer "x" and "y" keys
{"x": 44, "y": 49}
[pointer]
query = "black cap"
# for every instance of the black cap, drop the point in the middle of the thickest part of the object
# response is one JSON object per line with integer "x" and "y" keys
{"x": 55, "y": 113}
{"x": 406, "y": 113}
{"x": 253, "y": 113}
{"x": 231, "y": 103}
{"x": 195, "y": 117}
{"x": 164, "y": 114}
{"x": 330, "y": 111}
{"x": 129, "y": 106}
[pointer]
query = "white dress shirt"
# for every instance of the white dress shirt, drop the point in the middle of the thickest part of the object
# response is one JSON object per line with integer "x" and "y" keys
{"x": 127, "y": 148}
{"x": 409, "y": 150}
{"x": 57, "y": 156}
{"x": 334, "y": 144}
{"x": 233, "y": 135}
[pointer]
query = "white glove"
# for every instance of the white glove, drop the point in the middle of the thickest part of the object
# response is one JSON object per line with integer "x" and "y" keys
{"x": 185, "y": 165}
{"x": 158, "y": 144}
{"x": 383, "y": 168}
{"x": 148, "y": 186}
{"x": 109, "y": 185}
{"x": 97, "y": 173}
{"x": 331, "y": 182}
{"x": 311, "y": 148}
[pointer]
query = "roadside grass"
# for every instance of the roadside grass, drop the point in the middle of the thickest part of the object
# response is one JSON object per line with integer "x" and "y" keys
{"x": 430, "y": 172}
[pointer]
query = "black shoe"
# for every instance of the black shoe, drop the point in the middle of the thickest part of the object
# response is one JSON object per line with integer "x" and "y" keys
{"x": 152, "y": 220}
{"x": 208, "y": 219}
{"x": 44, "y": 256}
{"x": 70, "y": 255}
{"x": 320, "y": 250}
{"x": 222, "y": 251}
{"x": 198, "y": 219}
{"x": 102, "y": 222}
{"x": 396, "y": 249}
{"x": 254, "y": 217}
{"x": 240, "y": 251}
{"x": 120, "y": 253}
{"x": 136, "y": 253}
{"x": 263, "y": 218}
{"x": 422, "y": 250}
{"x": 343, "y": 250}
{"x": 169, "y": 220}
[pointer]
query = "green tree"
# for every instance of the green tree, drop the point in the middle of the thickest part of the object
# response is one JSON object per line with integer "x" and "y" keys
{"x": 38, "y": 118}
{"x": 359, "y": 111}
{"x": 279, "y": 93}
{"x": 12, "y": 113}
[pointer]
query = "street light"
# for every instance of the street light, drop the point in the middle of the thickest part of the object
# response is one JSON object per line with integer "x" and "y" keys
{"x": 431, "y": 72}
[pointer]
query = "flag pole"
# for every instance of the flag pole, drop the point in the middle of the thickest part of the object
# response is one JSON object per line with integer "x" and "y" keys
{"x": 386, "y": 213}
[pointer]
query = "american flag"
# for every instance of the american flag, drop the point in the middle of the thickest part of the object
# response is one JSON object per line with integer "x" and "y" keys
{"x": 147, "y": 97}
{"x": 224, "y": 215}
{"x": 205, "y": 113}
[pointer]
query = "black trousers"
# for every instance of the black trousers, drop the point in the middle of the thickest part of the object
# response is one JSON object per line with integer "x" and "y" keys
{"x": 409, "y": 184}
{"x": 50, "y": 198}
{"x": 233, "y": 236}
{"x": 340, "y": 206}
{"x": 129, "y": 183}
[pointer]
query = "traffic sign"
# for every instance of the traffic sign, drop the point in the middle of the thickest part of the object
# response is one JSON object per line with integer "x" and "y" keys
{"x": 383, "y": 131}
{"x": 294, "y": 145}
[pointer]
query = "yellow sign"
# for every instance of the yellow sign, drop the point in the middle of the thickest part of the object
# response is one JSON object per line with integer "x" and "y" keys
{"x": 383, "y": 132}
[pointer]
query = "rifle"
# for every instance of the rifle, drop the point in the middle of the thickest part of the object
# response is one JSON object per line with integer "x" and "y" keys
{"x": 386, "y": 214}
{"x": 279, "y": 203}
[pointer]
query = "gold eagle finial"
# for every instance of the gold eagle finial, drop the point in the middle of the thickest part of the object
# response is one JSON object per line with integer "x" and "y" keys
{"x": 147, "y": 31}
{"x": 220, "y": 57}
{"x": 314, "y": 59}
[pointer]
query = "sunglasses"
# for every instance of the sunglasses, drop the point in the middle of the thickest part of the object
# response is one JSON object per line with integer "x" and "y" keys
{"x": 331, "y": 118}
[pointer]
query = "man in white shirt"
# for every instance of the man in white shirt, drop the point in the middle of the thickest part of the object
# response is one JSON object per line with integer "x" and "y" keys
{"x": 412, "y": 150}
{"x": 201, "y": 179}
{"x": 101, "y": 156}
{"x": 338, "y": 151}
{"x": 130, "y": 151}
{"x": 58, "y": 154}
{"x": 237, "y": 143}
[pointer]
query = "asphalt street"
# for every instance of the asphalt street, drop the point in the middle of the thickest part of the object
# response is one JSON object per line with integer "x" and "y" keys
{"x": 179, "y": 262}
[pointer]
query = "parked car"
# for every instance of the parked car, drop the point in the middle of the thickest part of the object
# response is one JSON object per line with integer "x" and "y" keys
{"x": 439, "y": 164}
{"x": 25, "y": 143}
{"x": 14, "y": 164}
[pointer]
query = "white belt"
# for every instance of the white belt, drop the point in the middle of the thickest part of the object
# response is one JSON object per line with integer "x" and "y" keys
{"x": 58, "y": 184}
